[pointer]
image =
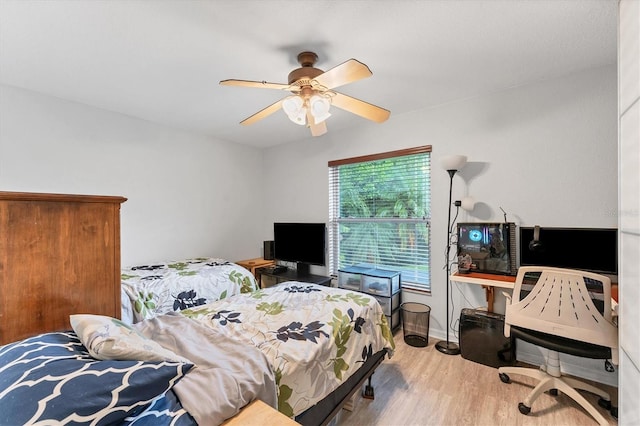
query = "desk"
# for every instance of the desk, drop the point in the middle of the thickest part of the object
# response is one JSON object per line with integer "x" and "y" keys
{"x": 488, "y": 281}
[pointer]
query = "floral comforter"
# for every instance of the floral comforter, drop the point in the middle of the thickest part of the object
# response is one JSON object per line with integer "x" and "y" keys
{"x": 151, "y": 290}
{"x": 289, "y": 345}
{"x": 314, "y": 337}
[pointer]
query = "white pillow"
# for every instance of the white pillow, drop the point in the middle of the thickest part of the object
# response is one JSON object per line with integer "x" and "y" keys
{"x": 109, "y": 338}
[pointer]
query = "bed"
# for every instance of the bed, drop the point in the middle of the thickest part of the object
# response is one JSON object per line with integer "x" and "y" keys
{"x": 163, "y": 287}
{"x": 299, "y": 347}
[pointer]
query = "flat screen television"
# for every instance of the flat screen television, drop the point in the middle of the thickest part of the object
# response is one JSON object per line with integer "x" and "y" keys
{"x": 491, "y": 246}
{"x": 303, "y": 243}
{"x": 587, "y": 249}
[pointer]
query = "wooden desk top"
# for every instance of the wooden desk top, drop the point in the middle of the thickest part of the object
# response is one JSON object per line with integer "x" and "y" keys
{"x": 506, "y": 281}
{"x": 489, "y": 280}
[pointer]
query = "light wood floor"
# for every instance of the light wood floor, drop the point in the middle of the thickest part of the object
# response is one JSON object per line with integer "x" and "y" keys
{"x": 421, "y": 386}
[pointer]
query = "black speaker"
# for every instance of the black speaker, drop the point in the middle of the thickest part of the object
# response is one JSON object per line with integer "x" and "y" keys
{"x": 268, "y": 250}
{"x": 482, "y": 339}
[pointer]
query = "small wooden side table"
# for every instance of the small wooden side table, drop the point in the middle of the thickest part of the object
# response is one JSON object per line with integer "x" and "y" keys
{"x": 259, "y": 413}
{"x": 253, "y": 265}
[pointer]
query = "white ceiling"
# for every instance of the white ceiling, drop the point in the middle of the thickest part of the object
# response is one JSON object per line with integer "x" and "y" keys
{"x": 162, "y": 60}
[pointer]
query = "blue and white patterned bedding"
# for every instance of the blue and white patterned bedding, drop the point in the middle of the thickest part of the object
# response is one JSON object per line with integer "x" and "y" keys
{"x": 165, "y": 410}
{"x": 159, "y": 288}
{"x": 52, "y": 379}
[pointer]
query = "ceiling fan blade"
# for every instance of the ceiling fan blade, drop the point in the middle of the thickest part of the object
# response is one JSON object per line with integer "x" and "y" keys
{"x": 263, "y": 113}
{"x": 258, "y": 84}
{"x": 347, "y": 72}
{"x": 361, "y": 108}
{"x": 316, "y": 129}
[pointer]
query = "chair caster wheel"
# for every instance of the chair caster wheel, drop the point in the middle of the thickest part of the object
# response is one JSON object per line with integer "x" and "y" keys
{"x": 553, "y": 392}
{"x": 524, "y": 409}
{"x": 504, "y": 377}
{"x": 604, "y": 404}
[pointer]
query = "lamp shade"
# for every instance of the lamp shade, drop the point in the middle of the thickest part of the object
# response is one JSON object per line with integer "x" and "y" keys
{"x": 293, "y": 106}
{"x": 467, "y": 203}
{"x": 319, "y": 107}
{"x": 453, "y": 162}
{"x": 300, "y": 117}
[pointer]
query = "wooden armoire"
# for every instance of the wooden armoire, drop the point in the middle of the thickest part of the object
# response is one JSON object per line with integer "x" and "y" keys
{"x": 59, "y": 255}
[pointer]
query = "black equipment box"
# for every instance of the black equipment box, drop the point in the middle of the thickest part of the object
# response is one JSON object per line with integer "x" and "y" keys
{"x": 482, "y": 339}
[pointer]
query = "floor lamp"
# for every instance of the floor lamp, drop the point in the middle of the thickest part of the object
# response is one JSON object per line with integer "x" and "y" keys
{"x": 451, "y": 164}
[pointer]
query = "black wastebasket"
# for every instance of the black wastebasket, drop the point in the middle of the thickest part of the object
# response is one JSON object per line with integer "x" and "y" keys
{"x": 415, "y": 323}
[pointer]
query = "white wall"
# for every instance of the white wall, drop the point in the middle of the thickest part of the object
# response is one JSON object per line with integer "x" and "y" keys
{"x": 188, "y": 195}
{"x": 546, "y": 153}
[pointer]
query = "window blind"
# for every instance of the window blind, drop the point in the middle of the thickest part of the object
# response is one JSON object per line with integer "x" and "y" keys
{"x": 379, "y": 213}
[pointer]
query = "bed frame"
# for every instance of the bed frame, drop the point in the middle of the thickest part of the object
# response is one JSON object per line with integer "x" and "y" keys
{"x": 324, "y": 411}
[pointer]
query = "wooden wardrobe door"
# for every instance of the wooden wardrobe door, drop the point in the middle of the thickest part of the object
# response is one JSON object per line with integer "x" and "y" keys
{"x": 59, "y": 255}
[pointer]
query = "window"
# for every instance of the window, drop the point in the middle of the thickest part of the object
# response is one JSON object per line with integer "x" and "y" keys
{"x": 379, "y": 213}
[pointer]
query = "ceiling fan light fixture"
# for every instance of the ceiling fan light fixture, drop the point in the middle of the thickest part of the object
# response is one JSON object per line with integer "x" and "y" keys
{"x": 319, "y": 108}
{"x": 313, "y": 94}
{"x": 293, "y": 106}
{"x": 300, "y": 117}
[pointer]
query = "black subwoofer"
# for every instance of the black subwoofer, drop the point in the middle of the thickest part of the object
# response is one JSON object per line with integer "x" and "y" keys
{"x": 268, "y": 250}
{"x": 482, "y": 339}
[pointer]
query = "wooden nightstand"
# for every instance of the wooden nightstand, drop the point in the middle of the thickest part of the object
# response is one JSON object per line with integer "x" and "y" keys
{"x": 253, "y": 264}
{"x": 259, "y": 413}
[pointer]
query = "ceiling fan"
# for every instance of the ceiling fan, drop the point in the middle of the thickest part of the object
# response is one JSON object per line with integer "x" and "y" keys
{"x": 313, "y": 94}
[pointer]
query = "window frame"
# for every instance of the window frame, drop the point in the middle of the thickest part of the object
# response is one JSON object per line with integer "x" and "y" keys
{"x": 334, "y": 210}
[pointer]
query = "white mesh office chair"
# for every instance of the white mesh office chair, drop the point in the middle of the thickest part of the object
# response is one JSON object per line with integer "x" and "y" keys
{"x": 566, "y": 311}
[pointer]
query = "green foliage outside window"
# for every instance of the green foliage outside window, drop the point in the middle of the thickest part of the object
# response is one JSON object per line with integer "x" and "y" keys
{"x": 383, "y": 215}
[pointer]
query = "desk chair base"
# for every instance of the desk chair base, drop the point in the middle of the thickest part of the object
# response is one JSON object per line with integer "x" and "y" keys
{"x": 564, "y": 384}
